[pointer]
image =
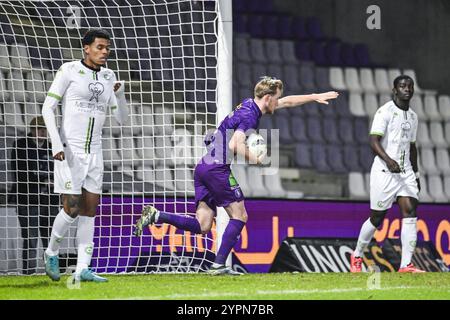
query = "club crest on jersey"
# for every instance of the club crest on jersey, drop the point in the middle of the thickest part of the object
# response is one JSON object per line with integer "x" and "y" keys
{"x": 406, "y": 127}
{"x": 107, "y": 76}
{"x": 96, "y": 89}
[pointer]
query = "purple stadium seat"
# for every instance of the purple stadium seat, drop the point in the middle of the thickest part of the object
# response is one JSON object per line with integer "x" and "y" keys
{"x": 335, "y": 159}
{"x": 348, "y": 56}
{"x": 270, "y": 27}
{"x": 362, "y": 55}
{"x": 314, "y": 129}
{"x": 342, "y": 105}
{"x": 303, "y": 50}
{"x": 285, "y": 27}
{"x": 281, "y": 122}
{"x": 361, "y": 130}
{"x": 314, "y": 28}
{"x": 298, "y": 29}
{"x": 366, "y": 156}
{"x": 298, "y": 129}
{"x": 330, "y": 130}
{"x": 240, "y": 23}
{"x": 333, "y": 53}
{"x": 303, "y": 157}
{"x": 306, "y": 73}
{"x": 345, "y": 130}
{"x": 318, "y": 53}
{"x": 351, "y": 158}
{"x": 255, "y": 23}
{"x": 312, "y": 109}
{"x": 319, "y": 158}
{"x": 240, "y": 7}
{"x": 322, "y": 79}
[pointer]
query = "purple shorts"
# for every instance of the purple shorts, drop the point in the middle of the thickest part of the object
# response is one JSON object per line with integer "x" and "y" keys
{"x": 216, "y": 185}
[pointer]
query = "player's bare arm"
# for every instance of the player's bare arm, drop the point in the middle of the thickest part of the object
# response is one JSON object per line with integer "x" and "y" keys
{"x": 413, "y": 159}
{"x": 376, "y": 146}
{"x": 297, "y": 100}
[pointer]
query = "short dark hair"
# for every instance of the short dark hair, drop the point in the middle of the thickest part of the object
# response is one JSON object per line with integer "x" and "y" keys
{"x": 402, "y": 77}
{"x": 90, "y": 35}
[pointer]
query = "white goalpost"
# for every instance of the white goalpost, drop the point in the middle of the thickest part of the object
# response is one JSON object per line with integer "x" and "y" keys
{"x": 172, "y": 56}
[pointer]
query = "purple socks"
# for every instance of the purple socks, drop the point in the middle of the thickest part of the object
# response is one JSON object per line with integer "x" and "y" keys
{"x": 229, "y": 239}
{"x": 181, "y": 222}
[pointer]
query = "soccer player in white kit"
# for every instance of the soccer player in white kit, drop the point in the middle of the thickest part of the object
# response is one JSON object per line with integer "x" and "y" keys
{"x": 85, "y": 89}
{"x": 394, "y": 175}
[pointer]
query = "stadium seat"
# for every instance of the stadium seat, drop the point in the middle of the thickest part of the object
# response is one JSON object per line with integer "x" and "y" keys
{"x": 319, "y": 159}
{"x": 366, "y": 157}
{"x": 303, "y": 157}
{"x": 281, "y": 122}
{"x": 383, "y": 98}
{"x": 431, "y": 107}
{"x": 322, "y": 79}
{"x": 148, "y": 147}
{"x": 423, "y": 135}
{"x": 129, "y": 152}
{"x": 330, "y": 131}
{"x": 447, "y": 184}
{"x": 361, "y": 133}
{"x": 164, "y": 178}
{"x": 348, "y": 55}
{"x": 182, "y": 142}
{"x": 284, "y": 27}
{"x": 244, "y": 73}
{"x": 288, "y": 52}
{"x": 184, "y": 180}
{"x": 370, "y": 105}
{"x": 392, "y": 74}
{"x": 298, "y": 129}
{"x": 312, "y": 109}
{"x": 272, "y": 181}
{"x": 443, "y": 160}
{"x": 352, "y": 80}
{"x": 417, "y": 87}
{"x": 356, "y": 104}
{"x": 337, "y": 81}
{"x": 164, "y": 151}
{"x": 416, "y": 104}
{"x": 382, "y": 81}
{"x": 367, "y": 182}
{"x": 362, "y": 55}
{"x": 240, "y": 23}
{"x": 436, "y": 188}
{"x": 258, "y": 70}
{"x": 424, "y": 194}
{"x": 437, "y": 134}
{"x": 240, "y": 173}
{"x": 428, "y": 161}
{"x": 256, "y": 181}
{"x": 356, "y": 186}
{"x": 351, "y": 158}
{"x": 345, "y": 130}
{"x": 242, "y": 49}
{"x": 292, "y": 78}
{"x": 303, "y": 51}
{"x": 314, "y": 28}
{"x": 298, "y": 28}
{"x": 257, "y": 52}
{"x": 314, "y": 129}
{"x": 272, "y": 48}
{"x": 35, "y": 87}
{"x": 13, "y": 116}
{"x": 367, "y": 80}
{"x": 19, "y": 57}
{"x": 335, "y": 159}
{"x": 276, "y": 70}
{"x": 318, "y": 53}
{"x": 255, "y": 25}
{"x": 306, "y": 72}
{"x": 4, "y": 94}
{"x": 444, "y": 107}
{"x": 333, "y": 53}
{"x": 15, "y": 85}
{"x": 447, "y": 131}
{"x": 163, "y": 121}
{"x": 5, "y": 64}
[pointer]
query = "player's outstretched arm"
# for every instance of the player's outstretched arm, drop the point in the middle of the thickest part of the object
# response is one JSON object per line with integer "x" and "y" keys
{"x": 297, "y": 100}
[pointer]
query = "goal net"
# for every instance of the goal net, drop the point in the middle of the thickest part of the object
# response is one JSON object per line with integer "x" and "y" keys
{"x": 166, "y": 52}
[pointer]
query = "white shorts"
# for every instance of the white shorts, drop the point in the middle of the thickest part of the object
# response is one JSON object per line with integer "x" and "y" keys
{"x": 79, "y": 170}
{"x": 385, "y": 187}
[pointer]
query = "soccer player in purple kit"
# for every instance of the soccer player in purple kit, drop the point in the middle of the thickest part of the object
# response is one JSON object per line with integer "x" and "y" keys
{"x": 215, "y": 185}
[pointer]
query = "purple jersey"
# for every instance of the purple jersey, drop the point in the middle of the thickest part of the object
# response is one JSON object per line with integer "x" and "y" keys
{"x": 245, "y": 117}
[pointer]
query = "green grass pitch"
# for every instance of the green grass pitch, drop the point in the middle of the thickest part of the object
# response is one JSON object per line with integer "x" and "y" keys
{"x": 285, "y": 286}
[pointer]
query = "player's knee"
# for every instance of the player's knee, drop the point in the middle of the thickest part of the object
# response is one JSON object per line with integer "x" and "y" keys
{"x": 205, "y": 228}
{"x": 410, "y": 213}
{"x": 377, "y": 217}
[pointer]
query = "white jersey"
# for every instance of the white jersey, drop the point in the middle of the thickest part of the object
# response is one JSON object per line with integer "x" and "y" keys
{"x": 85, "y": 95}
{"x": 398, "y": 129}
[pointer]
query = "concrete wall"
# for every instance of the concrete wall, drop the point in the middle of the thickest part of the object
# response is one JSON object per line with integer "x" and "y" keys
{"x": 414, "y": 33}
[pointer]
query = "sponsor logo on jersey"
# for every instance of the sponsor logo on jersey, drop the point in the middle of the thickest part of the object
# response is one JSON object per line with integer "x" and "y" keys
{"x": 88, "y": 107}
{"x": 96, "y": 89}
{"x": 406, "y": 127}
{"x": 81, "y": 72}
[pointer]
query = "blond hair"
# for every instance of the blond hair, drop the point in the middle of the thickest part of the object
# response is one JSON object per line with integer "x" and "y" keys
{"x": 268, "y": 85}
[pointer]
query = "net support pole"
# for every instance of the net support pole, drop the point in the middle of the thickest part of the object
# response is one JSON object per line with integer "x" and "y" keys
{"x": 224, "y": 88}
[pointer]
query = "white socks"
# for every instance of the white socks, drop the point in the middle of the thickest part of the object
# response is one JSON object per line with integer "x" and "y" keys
{"x": 365, "y": 235}
{"x": 85, "y": 237}
{"x": 409, "y": 239}
{"x": 60, "y": 226}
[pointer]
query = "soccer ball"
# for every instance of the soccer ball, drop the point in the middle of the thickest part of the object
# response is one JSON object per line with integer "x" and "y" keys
{"x": 256, "y": 144}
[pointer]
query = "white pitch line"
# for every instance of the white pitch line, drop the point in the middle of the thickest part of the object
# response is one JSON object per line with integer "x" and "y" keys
{"x": 280, "y": 292}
